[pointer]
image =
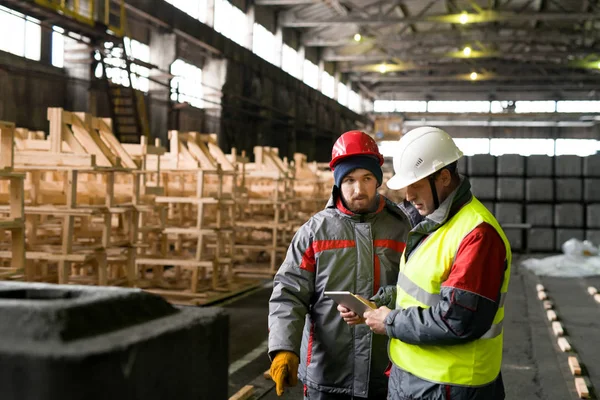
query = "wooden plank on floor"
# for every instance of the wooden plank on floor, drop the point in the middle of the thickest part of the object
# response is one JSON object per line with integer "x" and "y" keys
{"x": 564, "y": 344}
{"x": 244, "y": 393}
{"x": 574, "y": 365}
{"x": 582, "y": 389}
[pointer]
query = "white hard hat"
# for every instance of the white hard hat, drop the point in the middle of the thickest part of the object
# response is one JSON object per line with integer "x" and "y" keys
{"x": 420, "y": 153}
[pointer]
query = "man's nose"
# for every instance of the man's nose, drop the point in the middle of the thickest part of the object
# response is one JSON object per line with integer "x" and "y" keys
{"x": 359, "y": 188}
{"x": 410, "y": 196}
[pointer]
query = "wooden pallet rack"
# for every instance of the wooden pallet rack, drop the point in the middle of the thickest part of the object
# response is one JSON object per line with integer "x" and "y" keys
{"x": 80, "y": 224}
{"x": 190, "y": 223}
{"x": 267, "y": 219}
{"x": 200, "y": 189}
{"x": 13, "y": 219}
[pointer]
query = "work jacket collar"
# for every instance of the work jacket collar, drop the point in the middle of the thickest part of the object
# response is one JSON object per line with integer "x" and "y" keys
{"x": 449, "y": 207}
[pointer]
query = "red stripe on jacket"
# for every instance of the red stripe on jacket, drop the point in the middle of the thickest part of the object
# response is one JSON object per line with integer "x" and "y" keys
{"x": 308, "y": 258}
{"x": 311, "y": 338}
{"x": 390, "y": 244}
{"x": 479, "y": 263}
{"x": 376, "y": 273}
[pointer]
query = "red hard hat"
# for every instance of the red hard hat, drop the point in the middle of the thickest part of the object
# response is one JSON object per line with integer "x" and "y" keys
{"x": 354, "y": 143}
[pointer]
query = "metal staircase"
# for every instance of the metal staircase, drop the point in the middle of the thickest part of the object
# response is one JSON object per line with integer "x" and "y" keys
{"x": 127, "y": 105}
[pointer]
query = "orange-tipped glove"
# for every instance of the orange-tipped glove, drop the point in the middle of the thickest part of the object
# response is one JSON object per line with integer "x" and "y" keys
{"x": 284, "y": 370}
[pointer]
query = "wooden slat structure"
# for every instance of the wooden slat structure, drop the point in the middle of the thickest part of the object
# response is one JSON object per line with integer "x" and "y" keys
{"x": 190, "y": 223}
{"x": 13, "y": 219}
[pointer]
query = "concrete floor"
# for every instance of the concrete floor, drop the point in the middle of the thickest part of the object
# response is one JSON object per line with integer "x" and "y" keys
{"x": 533, "y": 365}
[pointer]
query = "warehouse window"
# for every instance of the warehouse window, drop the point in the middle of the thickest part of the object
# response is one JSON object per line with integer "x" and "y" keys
{"x": 117, "y": 72}
{"x": 535, "y": 106}
{"x": 524, "y": 147}
{"x": 290, "y": 61}
{"x": 231, "y": 22}
{"x": 578, "y": 147}
{"x": 354, "y": 101}
{"x": 264, "y": 44}
{"x": 58, "y": 47}
{"x": 311, "y": 74}
{"x": 400, "y": 106}
{"x": 195, "y": 8}
{"x": 471, "y": 146}
{"x": 459, "y": 106}
{"x": 186, "y": 86}
{"x": 578, "y": 106}
{"x": 327, "y": 84}
{"x": 342, "y": 94}
{"x": 20, "y": 34}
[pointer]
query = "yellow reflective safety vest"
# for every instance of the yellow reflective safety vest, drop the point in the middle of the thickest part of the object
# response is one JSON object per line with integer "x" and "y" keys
{"x": 474, "y": 363}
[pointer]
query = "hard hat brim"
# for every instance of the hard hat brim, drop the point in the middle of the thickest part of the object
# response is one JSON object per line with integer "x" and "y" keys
{"x": 396, "y": 182}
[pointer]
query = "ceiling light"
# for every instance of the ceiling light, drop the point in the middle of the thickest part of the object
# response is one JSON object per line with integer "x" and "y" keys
{"x": 467, "y": 51}
{"x": 383, "y": 68}
{"x": 464, "y": 18}
{"x": 473, "y": 76}
{"x": 599, "y": 65}
{"x": 357, "y": 37}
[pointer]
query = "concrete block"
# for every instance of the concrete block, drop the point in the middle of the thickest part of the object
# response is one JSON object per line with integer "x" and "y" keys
{"x": 539, "y": 189}
{"x": 539, "y": 214}
{"x": 591, "y": 166}
{"x": 568, "y": 215}
{"x": 593, "y": 235}
{"x": 568, "y": 189}
{"x": 75, "y": 342}
{"x": 511, "y": 213}
{"x": 591, "y": 190}
{"x": 568, "y": 166}
{"x": 490, "y": 206}
{"x": 593, "y": 216}
{"x": 483, "y": 188}
{"x": 482, "y": 165}
{"x": 511, "y": 165}
{"x": 463, "y": 165}
{"x": 539, "y": 165}
{"x": 508, "y": 189}
{"x": 515, "y": 238}
{"x": 540, "y": 239}
{"x": 562, "y": 235}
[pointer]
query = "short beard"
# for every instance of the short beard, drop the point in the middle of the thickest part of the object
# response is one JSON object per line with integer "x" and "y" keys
{"x": 365, "y": 210}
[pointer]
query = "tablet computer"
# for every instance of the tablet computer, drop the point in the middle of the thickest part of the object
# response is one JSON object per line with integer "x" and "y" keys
{"x": 352, "y": 301}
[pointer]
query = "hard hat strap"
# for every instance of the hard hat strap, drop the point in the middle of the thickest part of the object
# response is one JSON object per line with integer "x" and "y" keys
{"x": 436, "y": 201}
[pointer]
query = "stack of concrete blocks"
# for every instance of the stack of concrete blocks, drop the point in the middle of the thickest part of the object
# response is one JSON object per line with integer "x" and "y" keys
{"x": 569, "y": 210}
{"x": 510, "y": 193}
{"x": 591, "y": 197}
{"x": 539, "y": 197}
{"x": 482, "y": 174}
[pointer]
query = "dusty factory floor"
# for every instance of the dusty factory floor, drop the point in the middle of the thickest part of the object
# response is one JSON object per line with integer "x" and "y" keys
{"x": 534, "y": 367}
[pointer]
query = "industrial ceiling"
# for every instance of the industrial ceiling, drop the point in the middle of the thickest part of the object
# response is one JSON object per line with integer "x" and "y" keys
{"x": 451, "y": 49}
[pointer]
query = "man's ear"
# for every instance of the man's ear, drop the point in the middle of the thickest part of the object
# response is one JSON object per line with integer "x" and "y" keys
{"x": 446, "y": 177}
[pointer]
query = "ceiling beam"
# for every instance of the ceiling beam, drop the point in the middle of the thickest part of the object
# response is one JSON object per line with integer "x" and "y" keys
{"x": 283, "y": 2}
{"x": 329, "y": 55}
{"x": 289, "y": 20}
{"x": 485, "y": 87}
{"x": 449, "y": 36}
{"x": 482, "y": 77}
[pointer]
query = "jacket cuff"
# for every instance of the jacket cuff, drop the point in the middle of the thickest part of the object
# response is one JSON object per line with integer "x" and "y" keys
{"x": 389, "y": 323}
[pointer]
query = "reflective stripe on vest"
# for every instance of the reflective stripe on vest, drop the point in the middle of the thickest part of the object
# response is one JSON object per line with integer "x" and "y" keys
{"x": 476, "y": 362}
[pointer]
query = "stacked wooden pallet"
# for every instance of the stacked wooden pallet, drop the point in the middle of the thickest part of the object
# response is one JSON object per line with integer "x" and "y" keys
{"x": 80, "y": 224}
{"x": 267, "y": 216}
{"x": 13, "y": 217}
{"x": 201, "y": 189}
{"x": 191, "y": 223}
